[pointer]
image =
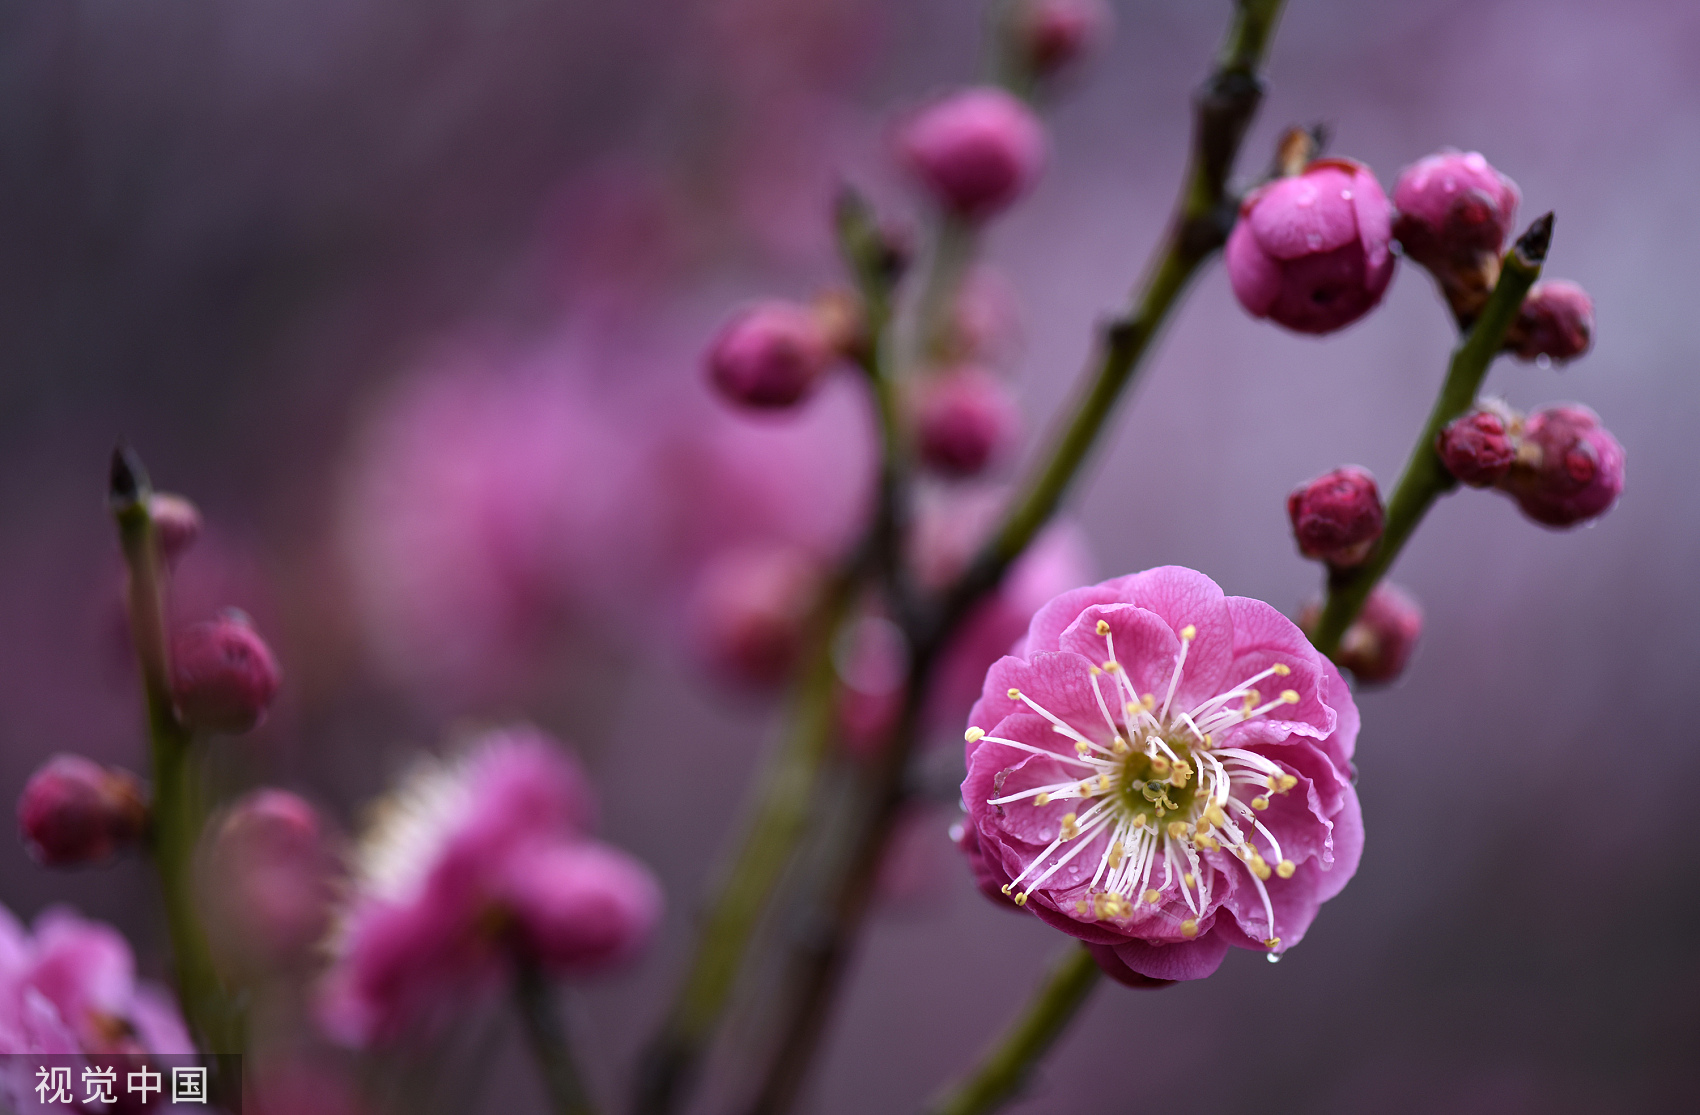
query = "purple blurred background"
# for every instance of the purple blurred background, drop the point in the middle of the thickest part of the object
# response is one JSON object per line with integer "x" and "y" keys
{"x": 237, "y": 232}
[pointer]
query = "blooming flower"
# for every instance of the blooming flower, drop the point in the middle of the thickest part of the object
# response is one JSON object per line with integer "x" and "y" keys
{"x": 439, "y": 897}
{"x": 1163, "y": 771}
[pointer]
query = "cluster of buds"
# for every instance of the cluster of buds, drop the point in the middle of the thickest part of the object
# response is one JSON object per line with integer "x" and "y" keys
{"x": 74, "y": 811}
{"x": 1559, "y": 464}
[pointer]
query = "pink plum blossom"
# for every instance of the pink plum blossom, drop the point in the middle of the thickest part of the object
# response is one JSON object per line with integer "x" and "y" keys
{"x": 1312, "y": 252}
{"x": 1163, "y": 772}
{"x": 267, "y": 880}
{"x": 442, "y": 890}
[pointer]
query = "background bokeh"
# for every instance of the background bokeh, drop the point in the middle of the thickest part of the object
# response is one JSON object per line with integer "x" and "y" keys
{"x": 235, "y": 232}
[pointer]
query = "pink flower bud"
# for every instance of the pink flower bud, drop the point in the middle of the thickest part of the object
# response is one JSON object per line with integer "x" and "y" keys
{"x": 1477, "y": 448}
{"x": 580, "y": 907}
{"x": 1569, "y": 468}
{"x": 1311, "y": 252}
{"x": 176, "y": 524}
{"x": 74, "y": 811}
{"x": 771, "y": 355}
{"x": 964, "y": 420}
{"x": 975, "y": 151}
{"x": 223, "y": 675}
{"x": 1379, "y": 642}
{"x": 1337, "y": 517}
{"x": 267, "y": 880}
{"x": 1452, "y": 205}
{"x": 1051, "y": 35}
{"x": 749, "y": 610}
{"x": 1557, "y": 321}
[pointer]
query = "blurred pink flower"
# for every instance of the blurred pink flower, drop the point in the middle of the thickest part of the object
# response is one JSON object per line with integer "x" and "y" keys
{"x": 439, "y": 899}
{"x": 71, "y": 987}
{"x": 975, "y": 151}
{"x": 266, "y": 880}
{"x": 1130, "y": 783}
{"x": 74, "y": 811}
{"x": 1312, "y": 252}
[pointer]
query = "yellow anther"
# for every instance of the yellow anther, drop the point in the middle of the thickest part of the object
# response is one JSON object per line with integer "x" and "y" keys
{"x": 1272, "y": 943}
{"x": 1291, "y": 696}
{"x": 1080, "y": 907}
{"x": 1189, "y": 880}
{"x": 1177, "y": 829}
{"x": 1103, "y": 627}
{"x": 1085, "y": 789}
{"x": 1069, "y": 829}
{"x": 1021, "y": 899}
{"x": 1042, "y": 799}
{"x": 1159, "y": 766}
{"x": 1152, "y": 897}
{"x": 1014, "y": 694}
{"x": 1189, "y": 927}
{"x": 1281, "y": 669}
{"x": 1112, "y": 666}
{"x": 1260, "y": 803}
{"x": 1081, "y": 747}
{"x": 1149, "y": 701}
{"x": 1117, "y": 854}
{"x": 1213, "y": 813}
{"x": 1205, "y": 843}
{"x": 1252, "y": 700}
{"x": 1208, "y": 740}
{"x": 1285, "y": 869}
{"x": 1140, "y": 820}
{"x": 1095, "y": 670}
{"x": 1259, "y": 868}
{"x": 1005, "y": 888}
{"x": 974, "y": 735}
{"x": 1288, "y": 781}
{"x": 1189, "y": 632}
{"x": 1182, "y": 774}
{"x": 1118, "y": 746}
{"x": 1103, "y": 782}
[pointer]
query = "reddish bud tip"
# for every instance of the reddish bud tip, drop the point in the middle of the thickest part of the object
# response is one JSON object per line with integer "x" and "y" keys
{"x": 771, "y": 355}
{"x": 223, "y": 676}
{"x": 1378, "y": 644}
{"x": 965, "y": 419}
{"x": 1479, "y": 448}
{"x": 176, "y": 524}
{"x": 1556, "y": 321}
{"x": 1049, "y": 36}
{"x": 1313, "y": 252}
{"x": 976, "y": 151}
{"x": 749, "y": 610}
{"x": 75, "y": 811}
{"x": 581, "y": 907}
{"x": 1337, "y": 517}
{"x": 1453, "y": 205}
{"x": 1569, "y": 468}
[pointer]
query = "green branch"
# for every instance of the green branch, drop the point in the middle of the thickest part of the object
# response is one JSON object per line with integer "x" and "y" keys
{"x": 547, "y": 1035}
{"x": 1425, "y": 478}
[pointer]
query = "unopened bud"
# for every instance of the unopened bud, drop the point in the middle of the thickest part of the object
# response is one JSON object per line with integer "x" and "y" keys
{"x": 1556, "y": 321}
{"x": 964, "y": 420}
{"x": 581, "y": 907}
{"x": 975, "y": 151}
{"x": 1337, "y": 517}
{"x": 749, "y": 610}
{"x": 1569, "y": 468}
{"x": 223, "y": 676}
{"x": 1312, "y": 252}
{"x": 1479, "y": 447}
{"x": 771, "y": 355}
{"x": 176, "y": 524}
{"x": 1378, "y": 644}
{"x": 1452, "y": 205}
{"x": 75, "y": 811}
{"x": 267, "y": 880}
{"x": 1049, "y": 36}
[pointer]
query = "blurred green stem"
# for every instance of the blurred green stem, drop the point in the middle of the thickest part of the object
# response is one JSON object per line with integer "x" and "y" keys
{"x": 547, "y": 1034}
{"x": 1425, "y": 478}
{"x": 1003, "y": 1072}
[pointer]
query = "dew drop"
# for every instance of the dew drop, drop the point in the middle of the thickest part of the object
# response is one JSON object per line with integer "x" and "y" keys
{"x": 1273, "y": 958}
{"x": 955, "y": 832}
{"x": 1543, "y": 361}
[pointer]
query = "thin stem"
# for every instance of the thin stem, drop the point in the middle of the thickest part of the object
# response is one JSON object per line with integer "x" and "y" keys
{"x": 1425, "y": 478}
{"x": 178, "y": 810}
{"x": 1205, "y": 213}
{"x": 546, "y": 1032}
{"x": 955, "y": 242}
{"x": 1003, "y": 1072}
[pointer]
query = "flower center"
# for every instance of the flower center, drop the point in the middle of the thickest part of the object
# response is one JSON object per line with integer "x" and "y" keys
{"x": 1160, "y": 802}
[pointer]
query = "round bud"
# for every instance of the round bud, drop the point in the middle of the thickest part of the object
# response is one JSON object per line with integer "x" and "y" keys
{"x": 975, "y": 151}
{"x": 770, "y": 355}
{"x": 1378, "y": 644}
{"x": 1451, "y": 206}
{"x": 1556, "y": 321}
{"x": 75, "y": 811}
{"x": 581, "y": 907}
{"x": 1478, "y": 448}
{"x": 749, "y": 610}
{"x": 964, "y": 420}
{"x": 1049, "y": 36}
{"x": 223, "y": 676}
{"x": 267, "y": 880}
{"x": 1312, "y": 252}
{"x": 176, "y": 524}
{"x": 1569, "y": 468}
{"x": 1337, "y": 517}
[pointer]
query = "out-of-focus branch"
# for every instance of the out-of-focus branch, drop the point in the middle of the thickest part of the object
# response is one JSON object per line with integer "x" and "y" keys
{"x": 547, "y": 1035}
{"x": 1003, "y": 1072}
{"x": 1425, "y": 478}
{"x": 1205, "y": 214}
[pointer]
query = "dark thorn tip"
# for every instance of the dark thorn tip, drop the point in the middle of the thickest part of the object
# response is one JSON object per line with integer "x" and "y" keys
{"x": 128, "y": 478}
{"x": 1533, "y": 244}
